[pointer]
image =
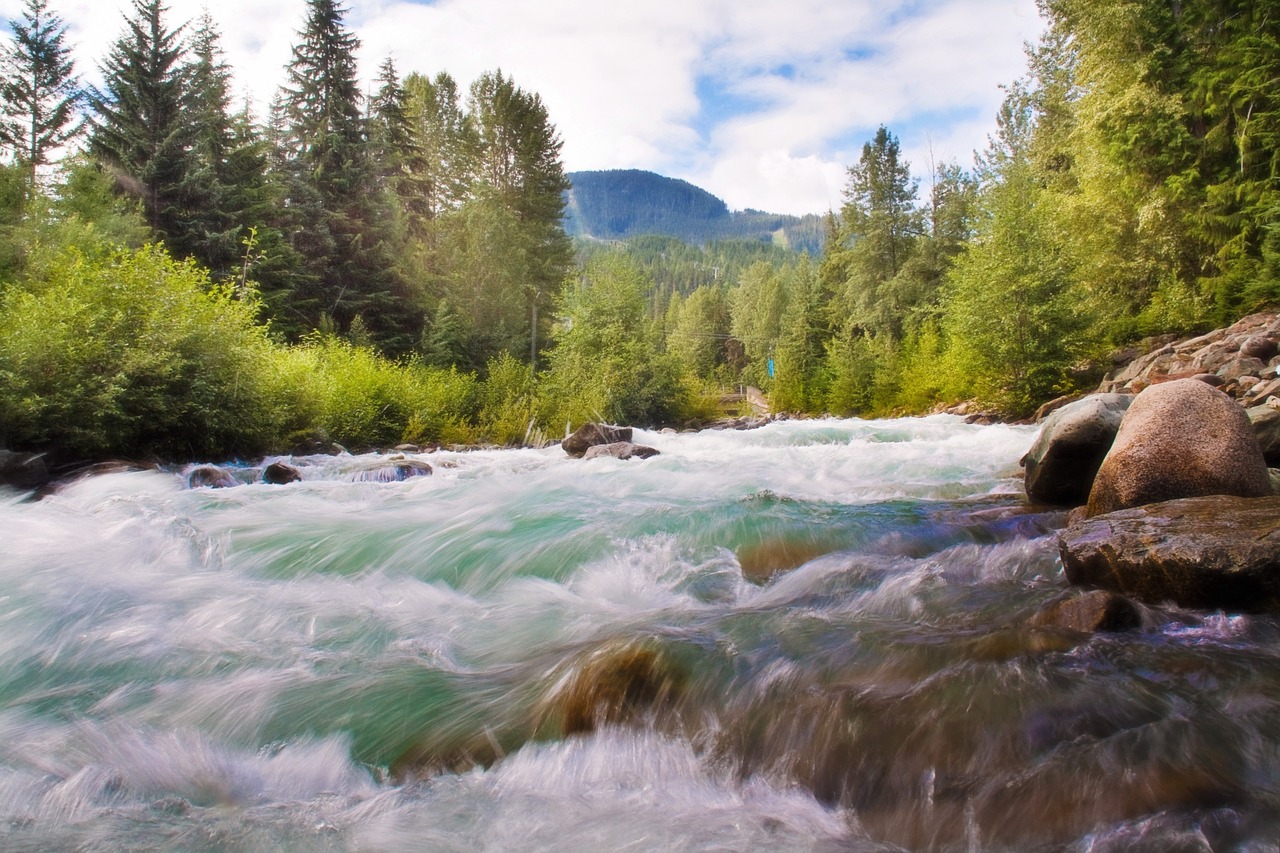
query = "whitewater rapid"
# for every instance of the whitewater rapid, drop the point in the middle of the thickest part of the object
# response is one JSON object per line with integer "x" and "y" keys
{"x": 829, "y": 611}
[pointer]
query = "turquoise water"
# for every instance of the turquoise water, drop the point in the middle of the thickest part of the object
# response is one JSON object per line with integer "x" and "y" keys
{"x": 808, "y": 636}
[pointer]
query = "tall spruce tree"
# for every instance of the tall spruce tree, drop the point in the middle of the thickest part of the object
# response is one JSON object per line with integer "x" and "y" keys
{"x": 140, "y": 132}
{"x": 333, "y": 209}
{"x": 216, "y": 221}
{"x": 39, "y": 92}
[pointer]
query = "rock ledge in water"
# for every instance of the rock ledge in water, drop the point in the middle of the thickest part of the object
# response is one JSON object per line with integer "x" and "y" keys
{"x": 1213, "y": 552}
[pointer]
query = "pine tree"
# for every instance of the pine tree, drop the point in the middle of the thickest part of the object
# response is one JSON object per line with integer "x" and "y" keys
{"x": 40, "y": 93}
{"x": 880, "y": 227}
{"x": 334, "y": 208}
{"x": 216, "y": 222}
{"x": 140, "y": 132}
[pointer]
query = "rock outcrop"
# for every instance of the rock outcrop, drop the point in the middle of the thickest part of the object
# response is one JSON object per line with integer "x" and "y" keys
{"x": 1179, "y": 439}
{"x": 1061, "y": 465}
{"x": 590, "y": 435}
{"x": 1208, "y": 552}
{"x": 620, "y": 450}
{"x": 1241, "y": 360}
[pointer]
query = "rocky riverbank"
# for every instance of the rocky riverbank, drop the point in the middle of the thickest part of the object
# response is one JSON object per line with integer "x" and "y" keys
{"x": 1167, "y": 469}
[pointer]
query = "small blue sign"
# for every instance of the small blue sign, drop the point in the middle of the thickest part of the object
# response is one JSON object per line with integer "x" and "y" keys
{"x": 770, "y": 368}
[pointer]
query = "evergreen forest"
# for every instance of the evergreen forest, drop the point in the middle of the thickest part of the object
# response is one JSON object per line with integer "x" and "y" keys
{"x": 182, "y": 278}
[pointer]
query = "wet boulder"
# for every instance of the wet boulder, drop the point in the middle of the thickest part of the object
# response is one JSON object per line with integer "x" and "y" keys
{"x": 619, "y": 450}
{"x": 1096, "y": 610}
{"x": 390, "y": 471}
{"x": 1075, "y": 438}
{"x": 210, "y": 477}
{"x": 1266, "y": 428}
{"x": 591, "y": 435}
{"x": 1213, "y": 552}
{"x": 23, "y": 470}
{"x": 1179, "y": 439}
{"x": 280, "y": 474}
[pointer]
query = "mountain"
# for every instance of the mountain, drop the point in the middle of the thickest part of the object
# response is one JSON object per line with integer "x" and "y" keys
{"x": 620, "y": 204}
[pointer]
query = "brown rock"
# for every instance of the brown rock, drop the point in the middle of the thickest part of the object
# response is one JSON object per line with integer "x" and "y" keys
{"x": 280, "y": 473}
{"x": 613, "y": 685}
{"x": 589, "y": 435}
{"x": 1097, "y": 610}
{"x": 1179, "y": 439}
{"x": 619, "y": 450}
{"x": 1208, "y": 552}
{"x": 1259, "y": 347}
{"x": 209, "y": 476}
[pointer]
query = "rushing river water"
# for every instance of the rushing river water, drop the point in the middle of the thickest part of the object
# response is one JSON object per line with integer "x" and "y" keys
{"x": 810, "y": 636}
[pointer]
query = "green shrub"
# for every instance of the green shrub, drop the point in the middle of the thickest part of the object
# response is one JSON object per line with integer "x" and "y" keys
{"x": 131, "y": 353}
{"x": 361, "y": 400}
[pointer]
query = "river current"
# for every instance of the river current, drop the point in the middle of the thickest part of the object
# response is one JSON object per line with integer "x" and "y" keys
{"x": 808, "y": 636}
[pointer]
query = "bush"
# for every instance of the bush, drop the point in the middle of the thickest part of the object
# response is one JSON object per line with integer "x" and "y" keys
{"x": 132, "y": 353}
{"x": 361, "y": 400}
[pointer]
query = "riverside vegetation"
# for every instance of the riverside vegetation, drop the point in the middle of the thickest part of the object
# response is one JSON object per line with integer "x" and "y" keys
{"x": 184, "y": 280}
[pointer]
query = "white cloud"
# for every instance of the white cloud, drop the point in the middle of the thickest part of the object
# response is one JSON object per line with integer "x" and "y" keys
{"x": 808, "y": 80}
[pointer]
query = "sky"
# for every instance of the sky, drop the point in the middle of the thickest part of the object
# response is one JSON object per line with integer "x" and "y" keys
{"x": 762, "y": 102}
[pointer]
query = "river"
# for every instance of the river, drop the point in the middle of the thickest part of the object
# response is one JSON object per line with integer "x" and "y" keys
{"x": 809, "y": 636}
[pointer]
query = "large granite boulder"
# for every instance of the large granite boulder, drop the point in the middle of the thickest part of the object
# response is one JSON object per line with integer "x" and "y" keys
{"x": 620, "y": 450}
{"x": 590, "y": 435}
{"x": 1062, "y": 463}
{"x": 1179, "y": 439}
{"x": 1207, "y": 552}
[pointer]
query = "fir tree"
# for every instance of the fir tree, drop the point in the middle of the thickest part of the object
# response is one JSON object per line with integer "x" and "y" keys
{"x": 40, "y": 93}
{"x": 334, "y": 211}
{"x": 140, "y": 133}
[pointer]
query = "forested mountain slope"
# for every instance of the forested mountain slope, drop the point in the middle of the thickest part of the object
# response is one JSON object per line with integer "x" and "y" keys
{"x": 623, "y": 203}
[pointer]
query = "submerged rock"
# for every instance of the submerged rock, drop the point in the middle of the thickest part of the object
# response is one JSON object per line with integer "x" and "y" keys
{"x": 1179, "y": 439}
{"x": 760, "y": 561}
{"x": 280, "y": 474}
{"x": 211, "y": 477}
{"x": 1209, "y": 552}
{"x": 590, "y": 435}
{"x": 620, "y": 450}
{"x": 1061, "y": 465}
{"x": 391, "y": 471}
{"x": 614, "y": 684}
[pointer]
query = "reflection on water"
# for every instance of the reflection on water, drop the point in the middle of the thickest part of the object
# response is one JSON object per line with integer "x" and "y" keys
{"x": 812, "y": 636}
